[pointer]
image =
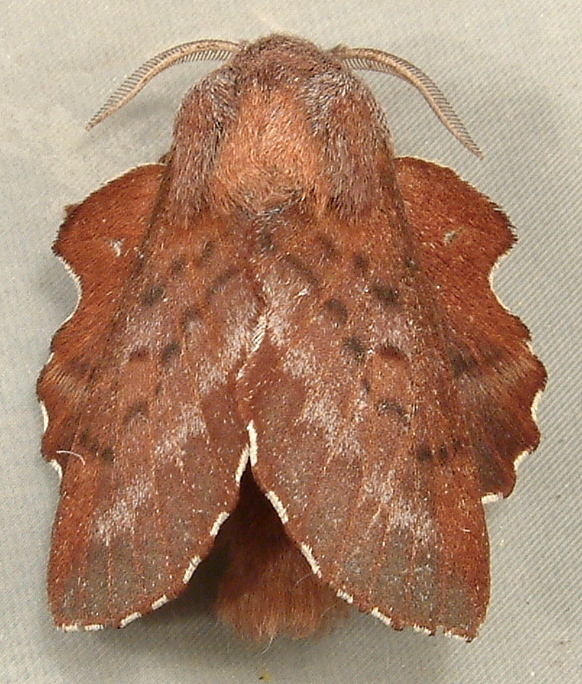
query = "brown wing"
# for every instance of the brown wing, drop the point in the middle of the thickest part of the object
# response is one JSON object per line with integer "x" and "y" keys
{"x": 140, "y": 396}
{"x": 373, "y": 423}
{"x": 496, "y": 375}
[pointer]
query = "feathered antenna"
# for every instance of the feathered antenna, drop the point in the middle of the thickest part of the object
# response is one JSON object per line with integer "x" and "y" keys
{"x": 377, "y": 60}
{"x": 186, "y": 52}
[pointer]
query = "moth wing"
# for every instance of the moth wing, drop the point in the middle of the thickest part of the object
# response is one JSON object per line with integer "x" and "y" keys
{"x": 462, "y": 235}
{"x": 140, "y": 398}
{"x": 367, "y": 441}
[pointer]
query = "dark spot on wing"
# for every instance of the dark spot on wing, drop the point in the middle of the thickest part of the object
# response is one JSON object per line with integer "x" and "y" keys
{"x": 424, "y": 453}
{"x": 301, "y": 268}
{"x": 462, "y": 362}
{"x": 355, "y": 348}
{"x": 79, "y": 366}
{"x": 152, "y": 294}
{"x": 385, "y": 294}
{"x": 178, "y": 266}
{"x": 137, "y": 410}
{"x": 107, "y": 454}
{"x": 264, "y": 226}
{"x": 330, "y": 251}
{"x": 89, "y": 444}
{"x": 117, "y": 326}
{"x": 140, "y": 354}
{"x": 206, "y": 254}
{"x": 220, "y": 282}
{"x": 91, "y": 376}
{"x": 391, "y": 353}
{"x": 361, "y": 263}
{"x": 337, "y": 311}
{"x": 389, "y": 407}
{"x": 169, "y": 352}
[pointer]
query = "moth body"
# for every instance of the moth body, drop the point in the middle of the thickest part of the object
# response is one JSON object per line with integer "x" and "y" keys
{"x": 286, "y": 347}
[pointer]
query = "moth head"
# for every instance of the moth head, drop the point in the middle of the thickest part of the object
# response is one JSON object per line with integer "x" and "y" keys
{"x": 282, "y": 121}
{"x": 355, "y": 58}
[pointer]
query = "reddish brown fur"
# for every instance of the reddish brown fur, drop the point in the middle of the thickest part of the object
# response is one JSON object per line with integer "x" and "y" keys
{"x": 284, "y": 140}
{"x": 282, "y": 272}
{"x": 268, "y": 588}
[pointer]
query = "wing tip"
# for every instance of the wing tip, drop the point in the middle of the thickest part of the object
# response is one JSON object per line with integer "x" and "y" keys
{"x": 120, "y": 623}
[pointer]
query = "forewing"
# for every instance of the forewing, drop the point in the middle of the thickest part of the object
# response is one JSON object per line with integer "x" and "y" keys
{"x": 364, "y": 442}
{"x": 140, "y": 396}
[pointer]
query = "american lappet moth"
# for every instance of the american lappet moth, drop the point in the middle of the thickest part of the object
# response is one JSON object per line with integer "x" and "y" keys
{"x": 286, "y": 334}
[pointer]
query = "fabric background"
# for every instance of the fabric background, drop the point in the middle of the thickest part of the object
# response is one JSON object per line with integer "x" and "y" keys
{"x": 512, "y": 70}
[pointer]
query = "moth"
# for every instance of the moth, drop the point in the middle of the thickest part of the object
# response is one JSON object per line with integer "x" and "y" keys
{"x": 286, "y": 334}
